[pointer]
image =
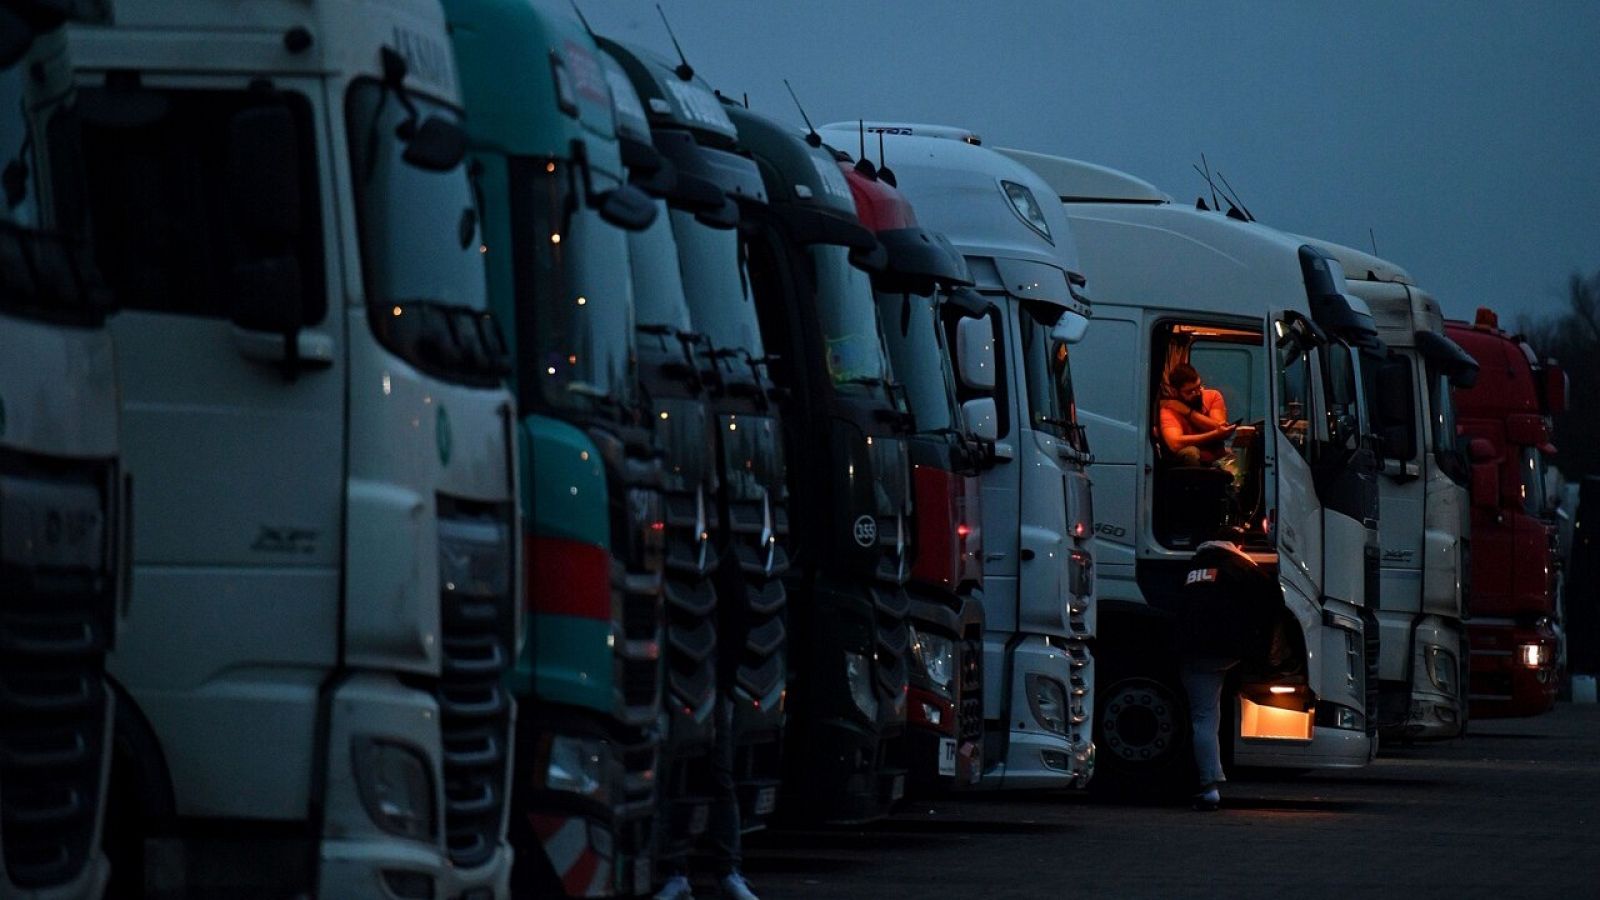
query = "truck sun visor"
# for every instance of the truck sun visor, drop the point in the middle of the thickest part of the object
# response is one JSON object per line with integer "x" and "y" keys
{"x": 736, "y": 175}
{"x": 922, "y": 254}
{"x": 1455, "y": 363}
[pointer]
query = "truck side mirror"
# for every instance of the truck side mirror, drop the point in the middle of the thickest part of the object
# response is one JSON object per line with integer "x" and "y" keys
{"x": 975, "y": 354}
{"x": 1485, "y": 485}
{"x": 982, "y": 418}
{"x": 627, "y": 207}
{"x": 1070, "y": 328}
{"x": 1555, "y": 389}
{"x": 263, "y": 187}
{"x": 1397, "y": 420}
{"x": 438, "y": 145}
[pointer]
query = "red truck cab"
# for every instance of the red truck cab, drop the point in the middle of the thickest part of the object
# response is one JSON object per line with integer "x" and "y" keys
{"x": 1505, "y": 423}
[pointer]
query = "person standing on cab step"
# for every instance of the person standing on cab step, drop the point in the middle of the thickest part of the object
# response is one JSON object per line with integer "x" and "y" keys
{"x": 1224, "y": 617}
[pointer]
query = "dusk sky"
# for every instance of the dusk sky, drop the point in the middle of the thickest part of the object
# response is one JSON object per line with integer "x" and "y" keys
{"x": 1465, "y": 135}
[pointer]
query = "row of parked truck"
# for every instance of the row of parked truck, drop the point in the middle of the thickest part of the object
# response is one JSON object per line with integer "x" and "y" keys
{"x": 425, "y": 428}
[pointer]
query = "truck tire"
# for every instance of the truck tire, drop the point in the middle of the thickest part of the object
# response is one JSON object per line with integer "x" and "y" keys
{"x": 1142, "y": 731}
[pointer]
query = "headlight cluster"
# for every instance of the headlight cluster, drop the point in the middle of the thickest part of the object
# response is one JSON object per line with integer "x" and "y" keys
{"x": 1048, "y": 700}
{"x": 396, "y": 787}
{"x": 578, "y": 766}
{"x": 936, "y": 655}
{"x": 858, "y": 674}
{"x": 1537, "y": 656}
{"x": 475, "y": 556}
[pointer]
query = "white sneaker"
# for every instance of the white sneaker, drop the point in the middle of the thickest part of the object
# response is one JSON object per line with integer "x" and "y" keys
{"x": 676, "y": 888}
{"x": 733, "y": 885}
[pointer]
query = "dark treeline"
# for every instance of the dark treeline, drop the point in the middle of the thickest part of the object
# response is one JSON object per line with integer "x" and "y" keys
{"x": 1572, "y": 336}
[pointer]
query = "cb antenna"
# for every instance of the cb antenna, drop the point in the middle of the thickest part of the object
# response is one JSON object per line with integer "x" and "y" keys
{"x": 812, "y": 137}
{"x": 1374, "y": 239}
{"x": 884, "y": 172}
{"x": 684, "y": 71}
{"x": 582, "y": 20}
{"x": 1248, "y": 215}
{"x": 1209, "y": 183}
{"x": 864, "y": 165}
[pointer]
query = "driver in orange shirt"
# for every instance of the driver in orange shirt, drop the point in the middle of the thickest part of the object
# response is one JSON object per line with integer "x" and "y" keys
{"x": 1194, "y": 419}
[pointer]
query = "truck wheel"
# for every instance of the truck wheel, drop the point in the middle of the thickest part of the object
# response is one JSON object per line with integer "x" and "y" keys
{"x": 1143, "y": 735}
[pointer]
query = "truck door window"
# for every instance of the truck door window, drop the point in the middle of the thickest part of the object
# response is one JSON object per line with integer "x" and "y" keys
{"x": 1343, "y": 389}
{"x": 1046, "y": 366}
{"x": 158, "y": 200}
{"x": 1294, "y": 396}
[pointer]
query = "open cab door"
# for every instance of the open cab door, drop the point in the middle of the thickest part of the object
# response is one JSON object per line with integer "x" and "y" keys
{"x": 1276, "y": 699}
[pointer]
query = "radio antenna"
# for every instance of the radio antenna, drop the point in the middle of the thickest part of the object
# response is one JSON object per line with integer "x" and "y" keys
{"x": 684, "y": 71}
{"x": 1209, "y": 183}
{"x": 812, "y": 137}
{"x": 1374, "y": 239}
{"x": 1248, "y": 215}
{"x": 581, "y": 19}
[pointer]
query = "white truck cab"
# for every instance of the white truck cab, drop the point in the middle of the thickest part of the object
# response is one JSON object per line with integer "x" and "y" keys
{"x": 1174, "y": 285}
{"x": 1039, "y": 587}
{"x": 1422, "y": 667}
{"x": 318, "y": 435}
{"x": 61, "y": 492}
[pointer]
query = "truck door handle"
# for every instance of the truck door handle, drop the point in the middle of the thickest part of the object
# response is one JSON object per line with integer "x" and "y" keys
{"x": 993, "y": 557}
{"x": 313, "y": 349}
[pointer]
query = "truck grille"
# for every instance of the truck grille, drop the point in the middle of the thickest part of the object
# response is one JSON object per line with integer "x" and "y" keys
{"x": 56, "y": 614}
{"x": 890, "y": 641}
{"x": 475, "y": 711}
{"x": 969, "y": 720}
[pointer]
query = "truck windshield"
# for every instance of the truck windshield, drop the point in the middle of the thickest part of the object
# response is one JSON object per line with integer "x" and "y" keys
{"x": 657, "y": 282}
{"x": 856, "y": 361}
{"x": 574, "y": 302}
{"x": 421, "y": 256}
{"x": 43, "y": 260}
{"x": 916, "y": 350}
{"x": 1047, "y": 366}
{"x": 716, "y": 285}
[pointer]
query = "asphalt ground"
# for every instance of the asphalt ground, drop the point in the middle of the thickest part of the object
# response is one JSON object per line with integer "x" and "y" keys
{"x": 1512, "y": 810}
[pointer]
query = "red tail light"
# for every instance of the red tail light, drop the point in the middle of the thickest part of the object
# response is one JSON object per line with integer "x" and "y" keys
{"x": 568, "y": 578}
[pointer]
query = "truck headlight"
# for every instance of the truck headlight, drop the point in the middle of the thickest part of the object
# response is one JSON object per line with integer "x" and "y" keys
{"x": 396, "y": 787}
{"x": 1047, "y": 698}
{"x": 578, "y": 766}
{"x": 936, "y": 655}
{"x": 475, "y": 556}
{"x": 1536, "y": 656}
{"x": 858, "y": 674}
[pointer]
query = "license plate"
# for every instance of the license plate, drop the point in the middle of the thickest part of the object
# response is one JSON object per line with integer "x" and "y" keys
{"x": 766, "y": 801}
{"x": 897, "y": 788}
{"x": 947, "y": 756}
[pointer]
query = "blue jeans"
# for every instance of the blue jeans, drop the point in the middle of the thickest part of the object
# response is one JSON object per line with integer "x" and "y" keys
{"x": 1202, "y": 679}
{"x": 724, "y": 829}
